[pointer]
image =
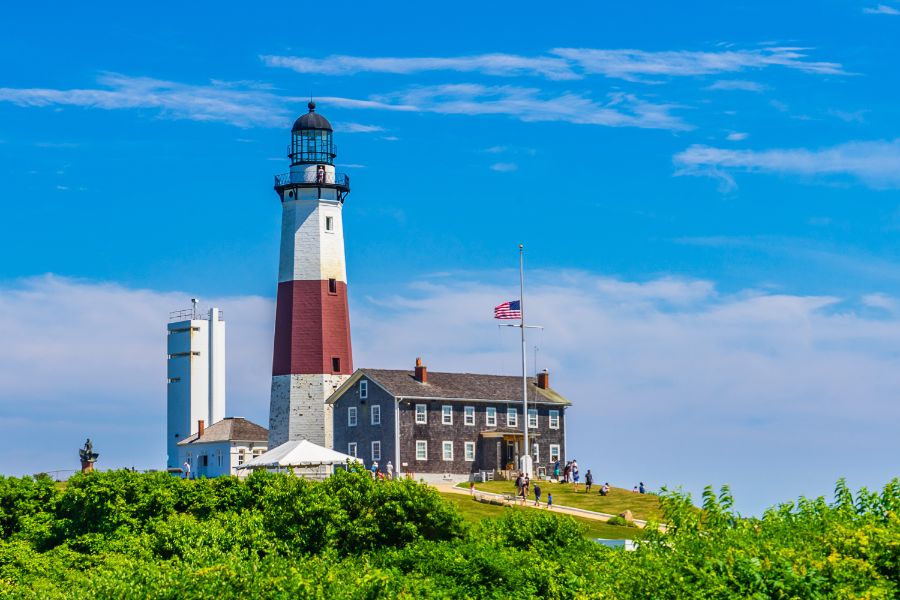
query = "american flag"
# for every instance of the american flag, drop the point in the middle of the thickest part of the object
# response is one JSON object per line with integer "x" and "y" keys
{"x": 508, "y": 310}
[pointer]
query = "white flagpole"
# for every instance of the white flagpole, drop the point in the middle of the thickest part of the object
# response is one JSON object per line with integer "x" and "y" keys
{"x": 526, "y": 457}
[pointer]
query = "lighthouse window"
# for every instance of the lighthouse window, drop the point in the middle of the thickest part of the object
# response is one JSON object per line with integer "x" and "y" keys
{"x": 329, "y": 223}
{"x": 332, "y": 286}
{"x": 336, "y": 364}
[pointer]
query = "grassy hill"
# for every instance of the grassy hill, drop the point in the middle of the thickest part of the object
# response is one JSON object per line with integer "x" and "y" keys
{"x": 475, "y": 512}
{"x": 643, "y": 506}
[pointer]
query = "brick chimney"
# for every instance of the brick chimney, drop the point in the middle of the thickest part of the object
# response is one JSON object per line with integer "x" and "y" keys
{"x": 201, "y": 427}
{"x": 421, "y": 371}
{"x": 543, "y": 379}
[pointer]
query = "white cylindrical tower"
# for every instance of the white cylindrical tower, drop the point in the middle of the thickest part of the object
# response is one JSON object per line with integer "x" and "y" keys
{"x": 312, "y": 353}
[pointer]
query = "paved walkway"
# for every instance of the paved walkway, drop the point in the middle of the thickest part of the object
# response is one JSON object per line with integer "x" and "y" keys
{"x": 566, "y": 510}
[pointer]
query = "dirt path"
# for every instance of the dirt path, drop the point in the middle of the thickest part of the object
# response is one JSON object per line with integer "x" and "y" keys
{"x": 566, "y": 510}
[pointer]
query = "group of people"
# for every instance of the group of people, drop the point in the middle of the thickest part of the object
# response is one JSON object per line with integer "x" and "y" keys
{"x": 379, "y": 475}
{"x": 523, "y": 484}
{"x": 571, "y": 474}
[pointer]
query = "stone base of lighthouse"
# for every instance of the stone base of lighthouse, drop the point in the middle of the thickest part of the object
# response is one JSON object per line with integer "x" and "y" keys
{"x": 298, "y": 410}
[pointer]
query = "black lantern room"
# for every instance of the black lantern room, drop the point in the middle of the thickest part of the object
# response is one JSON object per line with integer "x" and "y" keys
{"x": 311, "y": 140}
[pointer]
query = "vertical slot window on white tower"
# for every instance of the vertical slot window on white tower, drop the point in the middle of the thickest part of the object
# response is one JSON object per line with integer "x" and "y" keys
{"x": 332, "y": 286}
{"x": 329, "y": 224}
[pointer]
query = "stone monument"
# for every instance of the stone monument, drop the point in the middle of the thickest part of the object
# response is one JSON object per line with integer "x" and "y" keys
{"x": 88, "y": 457}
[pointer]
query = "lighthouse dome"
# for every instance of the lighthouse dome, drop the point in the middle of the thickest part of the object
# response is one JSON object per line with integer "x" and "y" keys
{"x": 311, "y": 120}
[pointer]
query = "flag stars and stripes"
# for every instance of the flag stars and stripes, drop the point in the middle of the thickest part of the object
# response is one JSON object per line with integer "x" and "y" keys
{"x": 508, "y": 310}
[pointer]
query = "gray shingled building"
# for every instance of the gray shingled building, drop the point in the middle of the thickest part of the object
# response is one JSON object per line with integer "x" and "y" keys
{"x": 447, "y": 423}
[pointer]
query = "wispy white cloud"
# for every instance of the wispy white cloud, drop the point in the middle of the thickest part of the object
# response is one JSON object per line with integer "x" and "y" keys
{"x": 243, "y": 104}
{"x": 504, "y": 167}
{"x": 570, "y": 63}
{"x": 737, "y": 84}
{"x": 357, "y": 128}
{"x": 875, "y": 164}
{"x": 881, "y": 9}
{"x": 635, "y": 65}
{"x": 737, "y": 136}
{"x": 489, "y": 64}
{"x": 527, "y": 104}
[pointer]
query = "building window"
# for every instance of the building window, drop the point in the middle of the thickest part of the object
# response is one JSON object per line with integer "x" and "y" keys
{"x": 332, "y": 286}
{"x": 351, "y": 449}
{"x": 532, "y": 418}
{"x": 554, "y": 452}
{"x": 376, "y": 414}
{"x": 421, "y": 414}
{"x": 241, "y": 455}
{"x": 470, "y": 451}
{"x": 258, "y": 452}
{"x": 421, "y": 450}
{"x": 512, "y": 417}
{"x": 335, "y": 364}
{"x": 447, "y": 447}
{"x": 447, "y": 415}
{"x": 376, "y": 451}
{"x": 329, "y": 223}
{"x": 351, "y": 416}
{"x": 554, "y": 419}
{"x": 220, "y": 460}
{"x": 536, "y": 453}
{"x": 363, "y": 389}
{"x": 490, "y": 416}
{"x": 469, "y": 415}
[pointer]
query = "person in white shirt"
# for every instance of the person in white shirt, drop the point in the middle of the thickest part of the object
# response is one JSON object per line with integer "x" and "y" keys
{"x": 186, "y": 467}
{"x": 390, "y": 470}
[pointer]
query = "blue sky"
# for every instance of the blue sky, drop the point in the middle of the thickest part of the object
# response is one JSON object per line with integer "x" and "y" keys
{"x": 728, "y": 173}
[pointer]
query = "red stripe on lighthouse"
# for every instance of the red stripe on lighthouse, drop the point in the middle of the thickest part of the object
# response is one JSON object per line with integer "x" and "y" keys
{"x": 312, "y": 326}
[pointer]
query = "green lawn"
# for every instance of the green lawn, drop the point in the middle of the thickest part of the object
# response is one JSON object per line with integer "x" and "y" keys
{"x": 477, "y": 511}
{"x": 643, "y": 506}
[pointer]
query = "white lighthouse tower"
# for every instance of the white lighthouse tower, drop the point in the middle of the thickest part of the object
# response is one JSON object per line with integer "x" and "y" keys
{"x": 312, "y": 354}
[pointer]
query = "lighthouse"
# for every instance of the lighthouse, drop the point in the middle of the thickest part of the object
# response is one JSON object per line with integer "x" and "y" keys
{"x": 312, "y": 355}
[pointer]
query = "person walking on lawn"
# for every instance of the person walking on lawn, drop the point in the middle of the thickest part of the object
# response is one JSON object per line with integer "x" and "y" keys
{"x": 537, "y": 494}
{"x": 588, "y": 480}
{"x": 549, "y": 501}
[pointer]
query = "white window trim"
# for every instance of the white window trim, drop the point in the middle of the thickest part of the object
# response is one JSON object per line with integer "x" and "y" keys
{"x": 532, "y": 412}
{"x": 554, "y": 456}
{"x": 351, "y": 449}
{"x": 514, "y": 413}
{"x": 329, "y": 220}
{"x": 554, "y": 418}
{"x": 466, "y": 451}
{"x": 376, "y": 444}
{"x": 444, "y": 450}
{"x": 466, "y": 415}
{"x": 424, "y": 414}
{"x": 363, "y": 389}
{"x": 424, "y": 445}
{"x": 351, "y": 416}
{"x": 536, "y": 452}
{"x": 490, "y": 416}
{"x": 375, "y": 409}
{"x": 445, "y": 413}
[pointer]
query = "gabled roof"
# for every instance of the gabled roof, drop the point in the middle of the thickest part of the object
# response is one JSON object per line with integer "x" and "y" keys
{"x": 468, "y": 386}
{"x": 229, "y": 429}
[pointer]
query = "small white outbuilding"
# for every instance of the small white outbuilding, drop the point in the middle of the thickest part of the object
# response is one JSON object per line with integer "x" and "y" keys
{"x": 301, "y": 457}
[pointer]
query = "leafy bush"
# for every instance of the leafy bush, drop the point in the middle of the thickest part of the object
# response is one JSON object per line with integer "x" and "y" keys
{"x": 126, "y": 535}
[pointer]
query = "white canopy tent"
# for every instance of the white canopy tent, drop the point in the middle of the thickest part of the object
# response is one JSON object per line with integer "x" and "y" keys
{"x": 300, "y": 457}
